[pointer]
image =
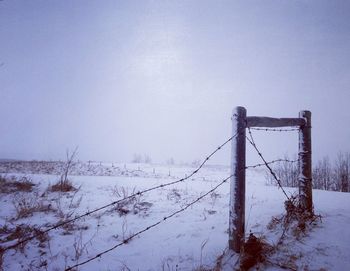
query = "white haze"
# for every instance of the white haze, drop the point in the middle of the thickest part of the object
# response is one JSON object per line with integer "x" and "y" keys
{"x": 162, "y": 77}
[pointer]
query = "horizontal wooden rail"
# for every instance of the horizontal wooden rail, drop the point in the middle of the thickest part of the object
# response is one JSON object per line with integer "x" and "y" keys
{"x": 274, "y": 122}
{"x": 240, "y": 121}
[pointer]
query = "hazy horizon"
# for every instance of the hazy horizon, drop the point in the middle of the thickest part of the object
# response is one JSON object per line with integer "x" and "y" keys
{"x": 160, "y": 78}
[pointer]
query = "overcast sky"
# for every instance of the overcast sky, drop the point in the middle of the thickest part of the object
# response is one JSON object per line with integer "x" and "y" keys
{"x": 162, "y": 77}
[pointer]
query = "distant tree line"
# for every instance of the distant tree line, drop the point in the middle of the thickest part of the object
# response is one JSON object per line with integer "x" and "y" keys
{"x": 139, "y": 158}
{"x": 326, "y": 174}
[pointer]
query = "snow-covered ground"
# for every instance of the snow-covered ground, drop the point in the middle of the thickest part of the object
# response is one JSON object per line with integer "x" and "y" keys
{"x": 190, "y": 240}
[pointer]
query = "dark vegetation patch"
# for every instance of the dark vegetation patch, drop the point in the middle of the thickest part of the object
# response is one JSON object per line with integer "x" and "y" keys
{"x": 63, "y": 186}
{"x": 28, "y": 204}
{"x": 255, "y": 250}
{"x": 296, "y": 221}
{"x": 293, "y": 225}
{"x": 13, "y": 184}
{"x": 20, "y": 233}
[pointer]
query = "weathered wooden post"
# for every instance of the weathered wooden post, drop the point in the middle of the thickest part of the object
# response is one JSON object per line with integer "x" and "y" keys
{"x": 305, "y": 163}
{"x": 237, "y": 185}
{"x": 240, "y": 122}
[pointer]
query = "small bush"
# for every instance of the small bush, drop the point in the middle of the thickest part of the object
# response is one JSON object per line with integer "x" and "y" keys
{"x": 64, "y": 184}
{"x": 13, "y": 184}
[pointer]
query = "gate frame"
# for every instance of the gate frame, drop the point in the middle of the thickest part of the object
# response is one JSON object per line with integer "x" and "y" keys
{"x": 240, "y": 122}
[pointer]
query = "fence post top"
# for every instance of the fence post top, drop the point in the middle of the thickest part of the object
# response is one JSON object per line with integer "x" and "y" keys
{"x": 305, "y": 113}
{"x": 238, "y": 109}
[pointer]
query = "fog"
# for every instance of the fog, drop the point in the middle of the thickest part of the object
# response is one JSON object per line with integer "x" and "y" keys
{"x": 161, "y": 78}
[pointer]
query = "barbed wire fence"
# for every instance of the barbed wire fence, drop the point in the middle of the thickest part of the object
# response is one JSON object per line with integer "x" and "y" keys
{"x": 139, "y": 193}
{"x": 125, "y": 241}
{"x": 165, "y": 218}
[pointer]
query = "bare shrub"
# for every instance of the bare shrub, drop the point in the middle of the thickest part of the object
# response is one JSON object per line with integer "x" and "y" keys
{"x": 287, "y": 172}
{"x": 333, "y": 176}
{"x": 296, "y": 221}
{"x": 80, "y": 247}
{"x": 322, "y": 175}
{"x": 64, "y": 184}
{"x": 26, "y": 205}
{"x": 131, "y": 202}
{"x": 294, "y": 224}
{"x": 174, "y": 195}
{"x": 66, "y": 210}
{"x": 342, "y": 172}
{"x": 325, "y": 174}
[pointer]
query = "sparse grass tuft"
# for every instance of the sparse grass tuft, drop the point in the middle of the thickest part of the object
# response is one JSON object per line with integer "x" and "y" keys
{"x": 63, "y": 186}
{"x": 13, "y": 184}
{"x": 294, "y": 224}
{"x": 26, "y": 205}
{"x": 20, "y": 233}
{"x": 296, "y": 220}
{"x": 130, "y": 204}
{"x": 174, "y": 195}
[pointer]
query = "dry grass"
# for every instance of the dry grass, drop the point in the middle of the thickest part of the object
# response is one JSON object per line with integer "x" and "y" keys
{"x": 296, "y": 221}
{"x": 14, "y": 184}
{"x": 130, "y": 204}
{"x": 255, "y": 251}
{"x": 28, "y": 204}
{"x": 174, "y": 195}
{"x": 22, "y": 232}
{"x": 63, "y": 186}
{"x": 294, "y": 225}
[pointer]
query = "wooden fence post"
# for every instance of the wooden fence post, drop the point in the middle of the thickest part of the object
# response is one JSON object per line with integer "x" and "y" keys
{"x": 237, "y": 182}
{"x": 305, "y": 163}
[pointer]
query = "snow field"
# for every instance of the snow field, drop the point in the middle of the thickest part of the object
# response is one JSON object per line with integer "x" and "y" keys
{"x": 187, "y": 241}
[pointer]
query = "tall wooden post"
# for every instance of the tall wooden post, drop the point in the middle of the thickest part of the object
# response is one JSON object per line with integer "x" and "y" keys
{"x": 237, "y": 185}
{"x": 305, "y": 163}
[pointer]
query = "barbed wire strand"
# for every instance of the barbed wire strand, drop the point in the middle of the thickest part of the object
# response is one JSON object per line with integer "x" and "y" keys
{"x": 139, "y": 193}
{"x": 127, "y": 240}
{"x": 252, "y": 142}
{"x": 274, "y": 130}
{"x": 273, "y": 162}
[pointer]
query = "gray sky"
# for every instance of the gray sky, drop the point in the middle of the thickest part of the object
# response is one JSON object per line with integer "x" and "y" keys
{"x": 162, "y": 77}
